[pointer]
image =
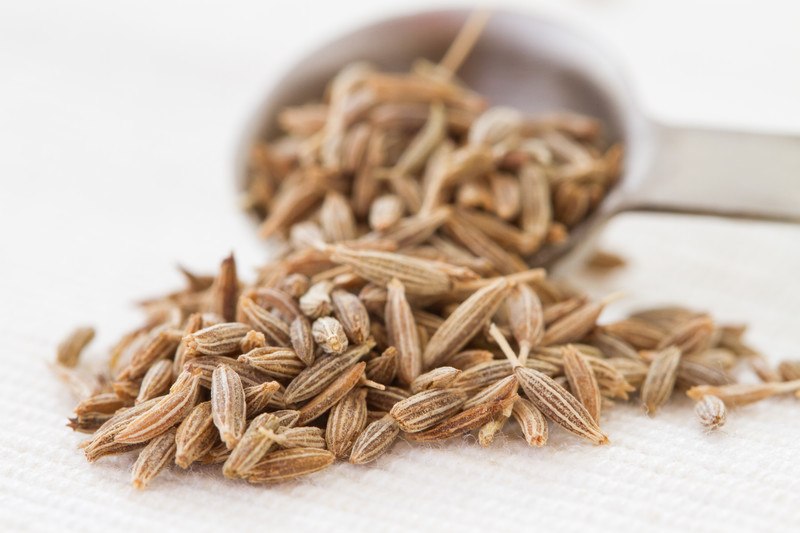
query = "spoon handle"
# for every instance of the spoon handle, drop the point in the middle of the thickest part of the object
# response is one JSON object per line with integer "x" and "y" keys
{"x": 718, "y": 172}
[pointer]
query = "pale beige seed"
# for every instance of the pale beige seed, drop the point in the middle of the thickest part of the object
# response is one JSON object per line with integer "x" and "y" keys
{"x": 69, "y": 350}
{"x": 582, "y": 381}
{"x": 660, "y": 380}
{"x": 352, "y": 314}
{"x": 156, "y": 381}
{"x": 103, "y": 441}
{"x": 157, "y": 455}
{"x": 316, "y": 302}
{"x": 417, "y": 275}
{"x": 161, "y": 344}
{"x": 535, "y": 207}
{"x": 329, "y": 335}
{"x": 228, "y": 405}
{"x": 346, "y": 421}
{"x": 254, "y": 339}
{"x": 279, "y": 301}
{"x": 254, "y": 444}
{"x": 169, "y": 411}
{"x": 295, "y": 285}
{"x": 101, "y": 403}
{"x": 612, "y": 346}
{"x": 463, "y": 422}
{"x": 384, "y": 400}
{"x": 488, "y": 432}
{"x": 299, "y": 437}
{"x": 402, "y": 332}
{"x": 469, "y": 358}
{"x": 375, "y": 440}
{"x": 257, "y": 398}
{"x": 331, "y": 394}
{"x": 385, "y": 211}
{"x": 336, "y": 218}
{"x": 275, "y": 329}
{"x": 302, "y": 340}
{"x": 204, "y": 366}
{"x": 711, "y": 411}
{"x": 289, "y": 464}
{"x": 476, "y": 241}
{"x": 196, "y": 435}
{"x": 692, "y": 336}
{"x": 739, "y": 394}
{"x": 438, "y": 378}
{"x": 637, "y": 332}
{"x": 531, "y": 421}
{"x": 427, "y": 408}
{"x": 465, "y": 322}
{"x": 506, "y": 192}
{"x": 382, "y": 369}
{"x": 574, "y": 326}
{"x": 278, "y": 363}
{"x": 225, "y": 290}
{"x": 556, "y": 311}
{"x": 323, "y": 372}
{"x": 497, "y": 391}
{"x": 559, "y": 405}
{"x": 219, "y": 339}
{"x": 483, "y": 374}
{"x": 692, "y": 373}
{"x": 525, "y": 317}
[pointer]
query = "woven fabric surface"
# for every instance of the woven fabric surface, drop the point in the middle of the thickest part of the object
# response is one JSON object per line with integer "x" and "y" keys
{"x": 119, "y": 131}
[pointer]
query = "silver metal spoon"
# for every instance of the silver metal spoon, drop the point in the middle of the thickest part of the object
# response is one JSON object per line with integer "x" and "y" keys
{"x": 538, "y": 66}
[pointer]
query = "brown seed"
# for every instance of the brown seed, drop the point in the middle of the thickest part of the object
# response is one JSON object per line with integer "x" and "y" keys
{"x": 275, "y": 329}
{"x": 692, "y": 336}
{"x": 225, "y": 290}
{"x": 299, "y": 437}
{"x": 427, "y": 408}
{"x": 157, "y": 455}
{"x": 253, "y": 445}
{"x": 193, "y": 324}
{"x": 156, "y": 381}
{"x": 102, "y": 403}
{"x": 336, "y": 218}
{"x": 402, "y": 332}
{"x": 352, "y": 314}
{"x": 437, "y": 378}
{"x": 169, "y": 411}
{"x": 289, "y": 464}
{"x": 254, "y": 339}
{"x": 302, "y": 340}
{"x": 384, "y": 400}
{"x": 329, "y": 335}
{"x": 196, "y": 435}
{"x": 228, "y": 404}
{"x": 219, "y": 339}
{"x": 637, "y": 332}
{"x": 582, "y": 381}
{"x": 525, "y": 317}
{"x": 161, "y": 344}
{"x": 103, "y": 441}
{"x": 204, "y": 366}
{"x": 574, "y": 326}
{"x": 661, "y": 377}
{"x": 323, "y": 372}
{"x": 740, "y": 394}
{"x": 375, "y": 440}
{"x": 463, "y": 422}
{"x": 711, "y": 411}
{"x": 278, "y": 363}
{"x": 332, "y": 394}
{"x": 257, "y": 398}
{"x": 69, "y": 351}
{"x": 531, "y": 421}
{"x": 316, "y": 302}
{"x": 469, "y": 358}
{"x": 788, "y": 370}
{"x": 382, "y": 369}
{"x": 346, "y": 421}
{"x": 497, "y": 391}
{"x": 465, "y": 322}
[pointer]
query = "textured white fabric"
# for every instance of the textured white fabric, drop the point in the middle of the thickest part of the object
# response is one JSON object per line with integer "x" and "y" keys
{"x": 118, "y": 126}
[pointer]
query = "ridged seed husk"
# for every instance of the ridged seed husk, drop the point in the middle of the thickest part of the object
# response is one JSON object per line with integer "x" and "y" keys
{"x": 465, "y": 322}
{"x": 278, "y": 363}
{"x": 254, "y": 339}
{"x": 437, "y": 378}
{"x": 463, "y": 422}
{"x": 346, "y": 420}
{"x": 525, "y": 317}
{"x": 427, "y": 408}
{"x": 739, "y": 394}
{"x": 531, "y": 421}
{"x": 102, "y": 403}
{"x": 157, "y": 455}
{"x": 637, "y": 332}
{"x": 497, "y": 391}
{"x": 375, "y": 440}
{"x": 204, "y": 367}
{"x": 352, "y": 314}
{"x": 302, "y": 340}
{"x": 692, "y": 336}
{"x": 168, "y": 412}
{"x": 469, "y": 358}
{"x": 383, "y": 369}
{"x": 573, "y": 326}
{"x": 558, "y": 405}
{"x": 582, "y": 381}
{"x": 332, "y": 394}
{"x": 402, "y": 331}
{"x": 156, "y": 381}
{"x": 225, "y": 290}
{"x": 660, "y": 380}
{"x": 196, "y": 435}
{"x": 300, "y": 437}
{"x": 219, "y": 339}
{"x": 289, "y": 464}
{"x": 711, "y": 411}
{"x": 329, "y": 335}
{"x": 228, "y": 406}
{"x": 483, "y": 374}
{"x": 257, "y": 398}
{"x": 323, "y": 372}
{"x": 384, "y": 400}
{"x": 161, "y": 344}
{"x": 275, "y": 329}
{"x": 103, "y": 442}
{"x": 253, "y": 445}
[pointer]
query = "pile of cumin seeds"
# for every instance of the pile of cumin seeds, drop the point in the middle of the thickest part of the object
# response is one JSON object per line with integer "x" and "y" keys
{"x": 402, "y": 305}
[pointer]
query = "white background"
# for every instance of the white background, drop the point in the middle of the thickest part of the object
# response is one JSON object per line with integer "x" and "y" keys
{"x": 119, "y": 122}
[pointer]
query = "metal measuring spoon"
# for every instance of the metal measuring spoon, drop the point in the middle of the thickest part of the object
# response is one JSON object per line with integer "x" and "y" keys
{"x": 538, "y": 67}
